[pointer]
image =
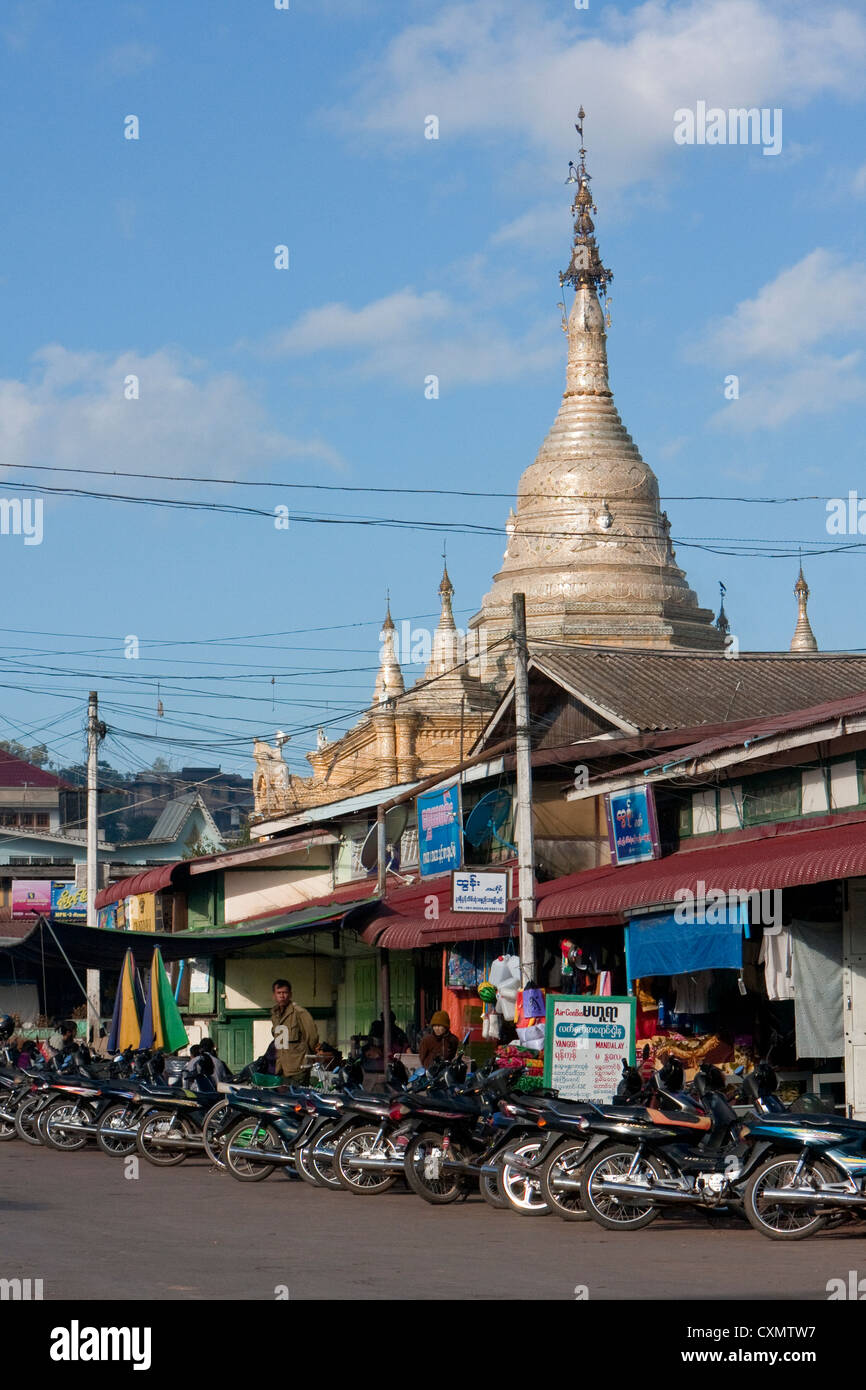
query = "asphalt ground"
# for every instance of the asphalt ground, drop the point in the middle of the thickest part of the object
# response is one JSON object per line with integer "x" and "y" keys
{"x": 76, "y": 1222}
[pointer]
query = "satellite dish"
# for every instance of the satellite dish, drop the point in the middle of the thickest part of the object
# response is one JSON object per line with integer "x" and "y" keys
{"x": 395, "y": 824}
{"x": 485, "y": 820}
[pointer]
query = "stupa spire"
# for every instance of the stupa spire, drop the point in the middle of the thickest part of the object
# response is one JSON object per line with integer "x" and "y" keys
{"x": 804, "y": 638}
{"x": 446, "y": 651}
{"x": 389, "y": 681}
{"x": 589, "y": 545}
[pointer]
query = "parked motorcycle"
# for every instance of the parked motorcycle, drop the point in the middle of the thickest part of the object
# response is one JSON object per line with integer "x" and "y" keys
{"x": 675, "y": 1150}
{"x": 265, "y": 1136}
{"x": 810, "y": 1168}
{"x": 457, "y": 1136}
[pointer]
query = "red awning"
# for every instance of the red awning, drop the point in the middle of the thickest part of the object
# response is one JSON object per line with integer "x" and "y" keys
{"x": 406, "y": 919}
{"x": 746, "y": 861}
{"x": 148, "y": 881}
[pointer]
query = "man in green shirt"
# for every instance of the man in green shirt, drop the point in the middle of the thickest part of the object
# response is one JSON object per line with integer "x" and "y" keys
{"x": 295, "y": 1035}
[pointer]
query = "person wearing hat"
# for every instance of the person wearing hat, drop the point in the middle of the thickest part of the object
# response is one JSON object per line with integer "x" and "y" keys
{"x": 439, "y": 1042}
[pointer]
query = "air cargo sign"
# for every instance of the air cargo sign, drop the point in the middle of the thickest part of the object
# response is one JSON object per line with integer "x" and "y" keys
{"x": 440, "y": 830}
{"x": 587, "y": 1039}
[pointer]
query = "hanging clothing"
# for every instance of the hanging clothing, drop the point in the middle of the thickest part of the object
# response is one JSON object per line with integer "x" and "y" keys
{"x": 777, "y": 957}
{"x": 603, "y": 983}
{"x": 818, "y": 979}
{"x": 693, "y": 992}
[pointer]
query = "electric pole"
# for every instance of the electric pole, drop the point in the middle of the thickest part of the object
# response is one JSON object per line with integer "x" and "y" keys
{"x": 95, "y": 732}
{"x": 523, "y": 820}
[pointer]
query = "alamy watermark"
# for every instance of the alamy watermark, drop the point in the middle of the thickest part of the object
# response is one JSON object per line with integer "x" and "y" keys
{"x": 22, "y": 516}
{"x": 416, "y": 646}
{"x": 738, "y": 125}
{"x": 846, "y": 516}
{"x": 715, "y": 906}
{"x": 20, "y": 1290}
{"x": 853, "y": 1288}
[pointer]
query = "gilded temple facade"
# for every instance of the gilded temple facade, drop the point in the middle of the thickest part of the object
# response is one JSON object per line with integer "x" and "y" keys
{"x": 405, "y": 735}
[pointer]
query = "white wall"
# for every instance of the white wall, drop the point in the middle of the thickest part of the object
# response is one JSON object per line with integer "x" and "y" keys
{"x": 250, "y": 892}
{"x": 249, "y": 980}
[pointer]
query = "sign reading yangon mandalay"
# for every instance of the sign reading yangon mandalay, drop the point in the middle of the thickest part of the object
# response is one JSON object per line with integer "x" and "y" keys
{"x": 587, "y": 1039}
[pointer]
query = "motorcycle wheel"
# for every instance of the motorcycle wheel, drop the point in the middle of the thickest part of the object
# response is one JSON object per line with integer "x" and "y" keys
{"x": 246, "y": 1134}
{"x": 115, "y": 1117}
{"x": 564, "y": 1162}
{"x": 437, "y": 1190}
{"x": 616, "y": 1213}
{"x": 151, "y": 1129}
{"x": 523, "y": 1195}
{"x": 361, "y": 1143}
{"x": 782, "y": 1222}
{"x": 213, "y": 1122}
{"x": 318, "y": 1171}
{"x": 27, "y": 1120}
{"x": 51, "y": 1122}
{"x": 488, "y": 1186}
{"x": 7, "y": 1129}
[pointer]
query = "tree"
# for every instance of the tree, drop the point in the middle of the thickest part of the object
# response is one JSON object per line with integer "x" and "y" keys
{"x": 36, "y": 754}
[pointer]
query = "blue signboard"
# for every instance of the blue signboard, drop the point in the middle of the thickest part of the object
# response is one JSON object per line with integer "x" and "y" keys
{"x": 631, "y": 825}
{"x": 440, "y": 830}
{"x": 68, "y": 903}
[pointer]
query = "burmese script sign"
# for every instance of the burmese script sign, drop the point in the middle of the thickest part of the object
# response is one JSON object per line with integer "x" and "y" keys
{"x": 440, "y": 830}
{"x": 479, "y": 891}
{"x": 632, "y": 826}
{"x": 587, "y": 1039}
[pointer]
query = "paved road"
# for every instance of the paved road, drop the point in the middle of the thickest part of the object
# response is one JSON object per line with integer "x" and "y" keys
{"x": 88, "y": 1232}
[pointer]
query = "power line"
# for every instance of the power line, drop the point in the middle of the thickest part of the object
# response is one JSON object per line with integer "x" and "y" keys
{"x": 391, "y": 491}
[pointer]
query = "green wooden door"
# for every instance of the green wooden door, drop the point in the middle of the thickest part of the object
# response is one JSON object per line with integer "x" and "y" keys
{"x": 403, "y": 988}
{"x": 234, "y": 1042}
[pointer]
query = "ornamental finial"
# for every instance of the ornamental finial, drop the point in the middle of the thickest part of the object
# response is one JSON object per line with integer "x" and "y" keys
{"x": 804, "y": 638}
{"x": 585, "y": 267}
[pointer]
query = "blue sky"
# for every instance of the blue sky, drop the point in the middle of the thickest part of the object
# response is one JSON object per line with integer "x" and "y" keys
{"x": 408, "y": 257}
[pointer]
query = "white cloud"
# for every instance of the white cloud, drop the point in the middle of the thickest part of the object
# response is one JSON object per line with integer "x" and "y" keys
{"x": 407, "y": 336}
{"x": 781, "y": 344}
{"x": 490, "y": 68}
{"x": 127, "y": 59}
{"x": 822, "y": 296}
{"x": 817, "y": 385}
{"x": 71, "y": 411}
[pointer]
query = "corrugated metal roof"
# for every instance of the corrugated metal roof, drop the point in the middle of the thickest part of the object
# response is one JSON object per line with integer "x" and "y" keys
{"x": 403, "y": 921}
{"x": 175, "y": 815}
{"x": 15, "y": 772}
{"x": 744, "y": 732}
{"x": 664, "y": 690}
{"x": 149, "y": 881}
{"x": 765, "y": 859}
{"x": 362, "y": 802}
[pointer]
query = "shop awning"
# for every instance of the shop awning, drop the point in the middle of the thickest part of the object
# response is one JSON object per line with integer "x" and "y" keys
{"x": 421, "y": 916}
{"x": 148, "y": 881}
{"x": 100, "y": 947}
{"x": 765, "y": 858}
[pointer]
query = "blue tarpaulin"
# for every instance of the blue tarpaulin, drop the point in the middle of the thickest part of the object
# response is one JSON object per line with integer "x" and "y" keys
{"x": 659, "y": 945}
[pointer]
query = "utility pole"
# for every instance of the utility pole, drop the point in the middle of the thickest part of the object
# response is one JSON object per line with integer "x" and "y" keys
{"x": 95, "y": 731}
{"x": 384, "y": 957}
{"x": 523, "y": 821}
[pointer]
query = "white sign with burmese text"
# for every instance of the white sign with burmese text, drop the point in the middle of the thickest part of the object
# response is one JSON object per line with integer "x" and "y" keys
{"x": 479, "y": 891}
